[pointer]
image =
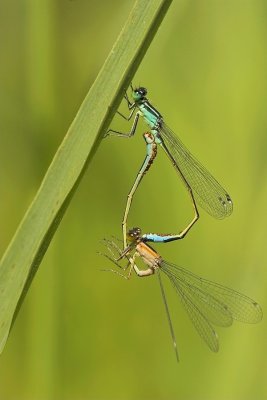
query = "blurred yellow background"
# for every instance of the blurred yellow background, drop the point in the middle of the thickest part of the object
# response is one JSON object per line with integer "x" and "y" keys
{"x": 86, "y": 334}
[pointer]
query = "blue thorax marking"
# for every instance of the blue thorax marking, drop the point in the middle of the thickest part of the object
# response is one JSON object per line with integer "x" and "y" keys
{"x": 150, "y": 114}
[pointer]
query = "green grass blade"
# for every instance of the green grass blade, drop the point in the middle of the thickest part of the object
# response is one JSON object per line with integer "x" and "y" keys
{"x": 29, "y": 244}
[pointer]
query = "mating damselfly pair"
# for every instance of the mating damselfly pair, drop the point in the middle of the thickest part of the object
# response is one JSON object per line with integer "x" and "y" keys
{"x": 207, "y": 303}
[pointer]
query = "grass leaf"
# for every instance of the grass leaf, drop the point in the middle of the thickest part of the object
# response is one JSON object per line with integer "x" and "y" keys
{"x": 25, "y": 252}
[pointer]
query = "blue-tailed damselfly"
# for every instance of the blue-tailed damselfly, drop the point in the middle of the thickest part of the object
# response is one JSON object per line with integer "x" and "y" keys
{"x": 203, "y": 188}
{"x": 207, "y": 303}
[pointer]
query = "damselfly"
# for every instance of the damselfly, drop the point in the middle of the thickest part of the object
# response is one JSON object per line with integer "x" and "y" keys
{"x": 207, "y": 303}
{"x": 201, "y": 185}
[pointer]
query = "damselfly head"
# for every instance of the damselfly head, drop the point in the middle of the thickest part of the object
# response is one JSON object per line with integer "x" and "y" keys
{"x": 139, "y": 93}
{"x": 133, "y": 234}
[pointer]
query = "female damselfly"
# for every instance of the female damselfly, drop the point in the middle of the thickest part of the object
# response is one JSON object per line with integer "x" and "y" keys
{"x": 207, "y": 303}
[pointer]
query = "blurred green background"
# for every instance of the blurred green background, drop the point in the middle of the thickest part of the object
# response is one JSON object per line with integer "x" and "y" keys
{"x": 87, "y": 334}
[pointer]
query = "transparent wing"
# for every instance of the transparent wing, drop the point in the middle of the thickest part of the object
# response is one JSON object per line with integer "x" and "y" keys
{"x": 208, "y": 193}
{"x": 201, "y": 323}
{"x": 208, "y": 303}
{"x": 214, "y": 310}
{"x": 241, "y": 307}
